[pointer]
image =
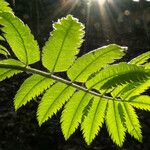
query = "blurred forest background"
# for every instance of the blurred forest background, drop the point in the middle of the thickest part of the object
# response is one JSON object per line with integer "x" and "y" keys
{"x": 124, "y": 22}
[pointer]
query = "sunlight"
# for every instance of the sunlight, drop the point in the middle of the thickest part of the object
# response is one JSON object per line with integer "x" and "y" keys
{"x": 101, "y": 2}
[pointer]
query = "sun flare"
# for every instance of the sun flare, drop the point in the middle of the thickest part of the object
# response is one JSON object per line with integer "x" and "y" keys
{"x": 101, "y": 2}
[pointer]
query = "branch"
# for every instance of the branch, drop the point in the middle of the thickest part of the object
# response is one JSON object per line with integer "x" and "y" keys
{"x": 54, "y": 77}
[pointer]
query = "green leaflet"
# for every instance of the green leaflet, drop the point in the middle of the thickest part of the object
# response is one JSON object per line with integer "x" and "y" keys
{"x": 94, "y": 120}
{"x": 129, "y": 90}
{"x": 136, "y": 90}
{"x": 72, "y": 113}
{"x": 53, "y": 100}
{"x": 131, "y": 121}
{"x": 4, "y": 51}
{"x": 141, "y": 102}
{"x": 94, "y": 61}
{"x": 117, "y": 74}
{"x": 60, "y": 50}
{"x": 141, "y": 59}
{"x": 114, "y": 123}
{"x": 25, "y": 47}
{"x": 4, "y": 6}
{"x": 7, "y": 72}
{"x": 32, "y": 87}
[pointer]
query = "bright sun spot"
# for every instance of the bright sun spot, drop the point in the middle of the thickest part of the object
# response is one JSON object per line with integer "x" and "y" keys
{"x": 101, "y": 2}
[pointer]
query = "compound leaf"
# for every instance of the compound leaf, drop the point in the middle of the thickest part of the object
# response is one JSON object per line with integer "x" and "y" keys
{"x": 60, "y": 50}
{"x": 32, "y": 87}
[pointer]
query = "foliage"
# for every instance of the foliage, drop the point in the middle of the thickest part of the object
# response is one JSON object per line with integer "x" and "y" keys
{"x": 87, "y": 105}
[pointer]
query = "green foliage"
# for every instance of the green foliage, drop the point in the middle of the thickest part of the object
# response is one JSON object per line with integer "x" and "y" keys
{"x": 117, "y": 74}
{"x": 8, "y": 72}
{"x": 64, "y": 42}
{"x": 72, "y": 113}
{"x": 94, "y": 61}
{"x": 83, "y": 96}
{"x": 4, "y": 6}
{"x": 53, "y": 100}
{"x": 131, "y": 121}
{"x": 114, "y": 122}
{"x": 94, "y": 120}
{"x": 140, "y": 60}
{"x": 4, "y": 51}
{"x": 141, "y": 102}
{"x": 25, "y": 47}
{"x": 32, "y": 87}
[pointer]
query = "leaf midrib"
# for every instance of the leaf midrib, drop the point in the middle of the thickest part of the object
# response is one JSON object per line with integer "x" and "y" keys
{"x": 74, "y": 114}
{"x": 116, "y": 122}
{"x": 95, "y": 114}
{"x": 62, "y": 45}
{"x": 131, "y": 120}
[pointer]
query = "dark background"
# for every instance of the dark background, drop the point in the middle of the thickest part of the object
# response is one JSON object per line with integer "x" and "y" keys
{"x": 123, "y": 22}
